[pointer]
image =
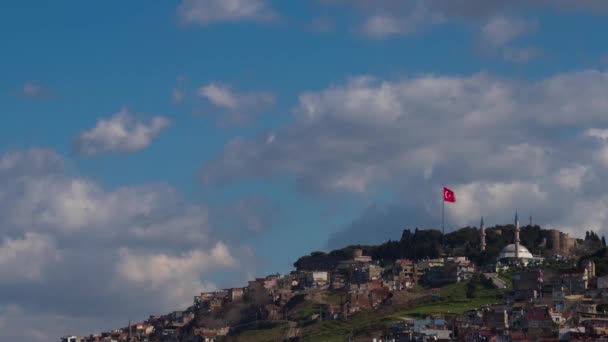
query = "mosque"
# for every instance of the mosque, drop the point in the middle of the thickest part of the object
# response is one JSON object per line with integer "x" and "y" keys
{"x": 513, "y": 253}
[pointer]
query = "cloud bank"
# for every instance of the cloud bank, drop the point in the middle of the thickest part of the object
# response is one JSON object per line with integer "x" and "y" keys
{"x": 501, "y": 143}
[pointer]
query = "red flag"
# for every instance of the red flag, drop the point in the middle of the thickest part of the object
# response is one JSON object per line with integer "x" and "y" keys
{"x": 448, "y": 195}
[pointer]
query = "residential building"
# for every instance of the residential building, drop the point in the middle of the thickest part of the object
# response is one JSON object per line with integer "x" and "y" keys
{"x": 235, "y": 294}
{"x": 575, "y": 279}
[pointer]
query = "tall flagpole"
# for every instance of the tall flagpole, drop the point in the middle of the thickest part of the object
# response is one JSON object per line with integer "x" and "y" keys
{"x": 443, "y": 215}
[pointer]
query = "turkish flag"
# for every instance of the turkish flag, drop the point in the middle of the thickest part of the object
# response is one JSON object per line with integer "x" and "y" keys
{"x": 448, "y": 195}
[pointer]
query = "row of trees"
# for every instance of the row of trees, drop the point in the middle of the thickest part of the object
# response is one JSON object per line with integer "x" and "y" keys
{"x": 430, "y": 243}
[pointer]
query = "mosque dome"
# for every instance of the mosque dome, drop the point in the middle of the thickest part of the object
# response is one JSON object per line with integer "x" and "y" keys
{"x": 509, "y": 252}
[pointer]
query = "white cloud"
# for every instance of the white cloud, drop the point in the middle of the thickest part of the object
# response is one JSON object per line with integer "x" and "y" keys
{"x": 388, "y": 17}
{"x": 598, "y": 133}
{"x": 496, "y": 141}
{"x": 121, "y": 133}
{"x": 225, "y": 97}
{"x": 70, "y": 237}
{"x": 571, "y": 177}
{"x": 40, "y": 196}
{"x": 478, "y": 199}
{"x": 382, "y": 25}
{"x": 178, "y": 276}
{"x": 498, "y": 34}
{"x": 600, "y": 155}
{"x": 237, "y": 106}
{"x": 205, "y": 12}
{"x": 368, "y": 131}
{"x": 499, "y": 31}
{"x": 23, "y": 259}
{"x": 220, "y": 96}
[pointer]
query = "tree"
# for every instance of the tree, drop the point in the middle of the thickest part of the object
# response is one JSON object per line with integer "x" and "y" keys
{"x": 487, "y": 282}
{"x": 471, "y": 289}
{"x": 604, "y": 241}
{"x": 472, "y": 286}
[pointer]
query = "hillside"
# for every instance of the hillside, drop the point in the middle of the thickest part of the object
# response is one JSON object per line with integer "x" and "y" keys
{"x": 359, "y": 291}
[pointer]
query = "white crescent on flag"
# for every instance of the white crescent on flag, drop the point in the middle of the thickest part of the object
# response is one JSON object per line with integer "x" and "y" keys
{"x": 448, "y": 195}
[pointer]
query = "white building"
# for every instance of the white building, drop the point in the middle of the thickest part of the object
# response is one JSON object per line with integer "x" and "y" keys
{"x": 516, "y": 253}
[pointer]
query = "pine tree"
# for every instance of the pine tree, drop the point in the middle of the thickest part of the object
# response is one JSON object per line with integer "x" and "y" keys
{"x": 472, "y": 286}
{"x": 603, "y": 241}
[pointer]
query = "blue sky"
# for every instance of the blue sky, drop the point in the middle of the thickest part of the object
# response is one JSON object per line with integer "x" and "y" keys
{"x": 161, "y": 149}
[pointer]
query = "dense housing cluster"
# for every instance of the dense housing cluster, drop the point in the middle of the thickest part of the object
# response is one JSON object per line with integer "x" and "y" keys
{"x": 546, "y": 298}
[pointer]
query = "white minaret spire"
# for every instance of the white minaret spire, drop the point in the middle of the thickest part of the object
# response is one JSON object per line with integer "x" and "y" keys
{"x": 483, "y": 235}
{"x": 516, "y": 236}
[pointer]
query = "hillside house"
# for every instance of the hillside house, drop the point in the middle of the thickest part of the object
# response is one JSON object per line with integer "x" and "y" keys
{"x": 425, "y": 264}
{"x": 575, "y": 279}
{"x": 457, "y": 270}
{"x": 235, "y": 294}
{"x": 497, "y": 318}
{"x": 319, "y": 278}
{"x": 144, "y": 329}
{"x": 541, "y": 323}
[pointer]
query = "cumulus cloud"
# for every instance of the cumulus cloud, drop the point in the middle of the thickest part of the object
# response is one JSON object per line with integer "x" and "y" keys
{"x": 121, "y": 133}
{"x": 40, "y": 196}
{"x": 571, "y": 177}
{"x": 205, "y": 12}
{"x": 236, "y": 105}
{"x": 178, "y": 275}
{"x": 225, "y": 97}
{"x": 493, "y": 139}
{"x": 23, "y": 259}
{"x": 601, "y": 136}
{"x": 345, "y": 128}
{"x": 125, "y": 245}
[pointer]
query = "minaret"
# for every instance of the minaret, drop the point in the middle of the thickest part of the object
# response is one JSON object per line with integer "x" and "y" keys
{"x": 130, "y": 336}
{"x": 516, "y": 236}
{"x": 482, "y": 229}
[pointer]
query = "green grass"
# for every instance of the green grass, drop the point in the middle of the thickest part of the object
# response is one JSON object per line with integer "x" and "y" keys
{"x": 334, "y": 297}
{"x": 452, "y": 301}
{"x": 276, "y": 333}
{"x": 508, "y": 278}
{"x": 303, "y": 311}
